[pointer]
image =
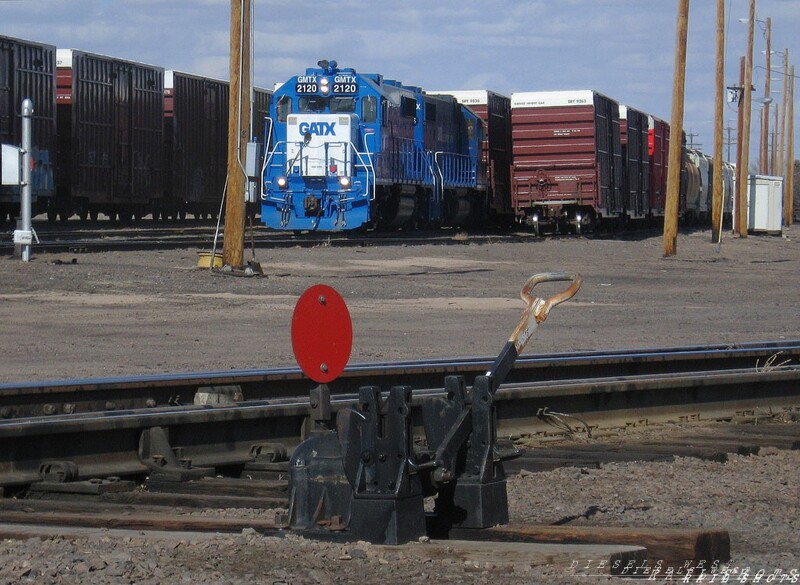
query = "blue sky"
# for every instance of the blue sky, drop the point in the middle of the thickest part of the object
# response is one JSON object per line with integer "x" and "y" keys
{"x": 623, "y": 48}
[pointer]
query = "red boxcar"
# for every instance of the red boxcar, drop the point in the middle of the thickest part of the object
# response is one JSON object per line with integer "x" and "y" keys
{"x": 495, "y": 111}
{"x": 658, "y": 151}
{"x": 633, "y": 134}
{"x": 567, "y": 158}
{"x": 110, "y": 135}
{"x": 27, "y": 70}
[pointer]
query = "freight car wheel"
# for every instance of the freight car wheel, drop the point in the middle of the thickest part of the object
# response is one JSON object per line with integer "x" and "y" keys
{"x": 52, "y": 215}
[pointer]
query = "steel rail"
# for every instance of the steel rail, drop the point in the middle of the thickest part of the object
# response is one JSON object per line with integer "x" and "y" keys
{"x": 51, "y": 398}
{"x": 102, "y": 444}
{"x": 85, "y": 240}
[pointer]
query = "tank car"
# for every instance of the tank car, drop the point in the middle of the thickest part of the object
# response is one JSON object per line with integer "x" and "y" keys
{"x": 27, "y": 70}
{"x": 698, "y": 187}
{"x": 352, "y": 150}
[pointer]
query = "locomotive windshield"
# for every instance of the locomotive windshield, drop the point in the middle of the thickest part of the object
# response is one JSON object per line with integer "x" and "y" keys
{"x": 311, "y": 103}
{"x": 345, "y": 105}
{"x": 333, "y": 104}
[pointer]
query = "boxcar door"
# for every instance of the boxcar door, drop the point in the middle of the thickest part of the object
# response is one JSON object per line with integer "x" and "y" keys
{"x": 122, "y": 183}
{"x": 6, "y": 107}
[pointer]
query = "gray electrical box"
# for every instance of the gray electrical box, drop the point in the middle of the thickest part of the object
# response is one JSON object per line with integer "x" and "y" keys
{"x": 253, "y": 172}
{"x": 10, "y": 156}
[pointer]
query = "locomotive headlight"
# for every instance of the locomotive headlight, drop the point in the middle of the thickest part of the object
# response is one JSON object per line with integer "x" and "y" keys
{"x": 324, "y": 85}
{"x": 578, "y": 217}
{"x": 344, "y": 182}
{"x": 535, "y": 217}
{"x": 282, "y": 182}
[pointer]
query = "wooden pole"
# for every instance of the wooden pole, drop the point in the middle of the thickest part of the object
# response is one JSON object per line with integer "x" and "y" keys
{"x": 775, "y": 165}
{"x": 238, "y": 129}
{"x": 747, "y": 105}
{"x": 740, "y": 131}
{"x": 765, "y": 166}
{"x": 676, "y": 133}
{"x": 780, "y": 149}
{"x": 788, "y": 193}
{"x": 716, "y": 200}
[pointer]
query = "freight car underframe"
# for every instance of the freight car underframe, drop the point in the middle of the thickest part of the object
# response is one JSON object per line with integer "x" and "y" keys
{"x": 558, "y": 216}
{"x": 64, "y": 207}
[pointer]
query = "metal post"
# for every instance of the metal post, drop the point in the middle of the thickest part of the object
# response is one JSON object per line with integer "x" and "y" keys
{"x": 24, "y": 236}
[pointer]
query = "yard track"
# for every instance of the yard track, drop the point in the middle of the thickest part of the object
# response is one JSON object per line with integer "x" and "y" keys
{"x": 88, "y": 429}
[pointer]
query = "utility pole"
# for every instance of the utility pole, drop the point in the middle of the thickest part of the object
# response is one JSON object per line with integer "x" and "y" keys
{"x": 740, "y": 130}
{"x": 238, "y": 133}
{"x": 788, "y": 186}
{"x": 744, "y": 172}
{"x": 676, "y": 133}
{"x": 716, "y": 197}
{"x": 774, "y": 165}
{"x": 781, "y": 146}
{"x": 728, "y": 143}
{"x": 764, "y": 166}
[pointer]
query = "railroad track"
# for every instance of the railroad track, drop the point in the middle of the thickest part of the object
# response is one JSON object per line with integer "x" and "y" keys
{"x": 33, "y": 399}
{"x": 88, "y": 429}
{"x": 100, "y": 238}
{"x": 122, "y": 461}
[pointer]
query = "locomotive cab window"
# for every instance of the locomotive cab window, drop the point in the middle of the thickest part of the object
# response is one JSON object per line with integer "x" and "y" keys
{"x": 311, "y": 103}
{"x": 284, "y": 108}
{"x": 343, "y": 105}
{"x": 430, "y": 112}
{"x": 369, "y": 109}
{"x": 408, "y": 107}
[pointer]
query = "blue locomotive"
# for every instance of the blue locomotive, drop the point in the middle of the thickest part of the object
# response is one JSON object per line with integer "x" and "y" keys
{"x": 349, "y": 150}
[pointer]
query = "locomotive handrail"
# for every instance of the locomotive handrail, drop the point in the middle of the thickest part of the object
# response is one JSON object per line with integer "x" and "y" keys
{"x": 268, "y": 164}
{"x": 267, "y": 139}
{"x": 459, "y": 169}
{"x": 414, "y": 163}
{"x": 368, "y": 168}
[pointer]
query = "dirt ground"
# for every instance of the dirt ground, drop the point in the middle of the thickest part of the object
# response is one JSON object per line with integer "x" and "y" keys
{"x": 124, "y": 313}
{"x": 144, "y": 312}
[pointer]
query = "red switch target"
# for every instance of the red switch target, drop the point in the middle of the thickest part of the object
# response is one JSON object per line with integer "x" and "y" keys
{"x": 322, "y": 333}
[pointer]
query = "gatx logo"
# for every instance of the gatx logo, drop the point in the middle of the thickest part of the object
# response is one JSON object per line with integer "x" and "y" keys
{"x": 318, "y": 128}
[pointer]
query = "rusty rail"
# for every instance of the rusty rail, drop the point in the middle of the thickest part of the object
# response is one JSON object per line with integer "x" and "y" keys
{"x": 136, "y": 442}
{"x": 51, "y": 398}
